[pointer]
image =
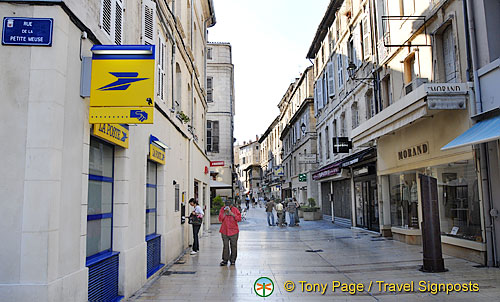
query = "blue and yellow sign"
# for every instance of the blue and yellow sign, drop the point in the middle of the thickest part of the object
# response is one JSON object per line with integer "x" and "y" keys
{"x": 156, "y": 154}
{"x": 122, "y": 86}
{"x": 113, "y": 133}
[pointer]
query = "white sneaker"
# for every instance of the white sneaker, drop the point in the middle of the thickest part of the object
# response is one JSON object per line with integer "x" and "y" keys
{"x": 194, "y": 253}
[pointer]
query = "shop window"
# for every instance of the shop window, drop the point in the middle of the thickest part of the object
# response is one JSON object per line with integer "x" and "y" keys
{"x": 101, "y": 261}
{"x": 404, "y": 200}
{"x": 151, "y": 196}
{"x": 100, "y": 198}
{"x": 458, "y": 198}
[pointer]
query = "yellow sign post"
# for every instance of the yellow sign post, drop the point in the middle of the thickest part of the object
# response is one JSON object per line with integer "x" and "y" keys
{"x": 122, "y": 85}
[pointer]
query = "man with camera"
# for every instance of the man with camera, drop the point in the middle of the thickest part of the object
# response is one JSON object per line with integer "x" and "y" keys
{"x": 229, "y": 216}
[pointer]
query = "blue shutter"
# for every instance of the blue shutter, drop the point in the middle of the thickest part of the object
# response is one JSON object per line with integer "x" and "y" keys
{"x": 153, "y": 255}
{"x": 103, "y": 280}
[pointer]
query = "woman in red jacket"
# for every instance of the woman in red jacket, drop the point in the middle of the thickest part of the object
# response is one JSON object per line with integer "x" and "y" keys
{"x": 229, "y": 216}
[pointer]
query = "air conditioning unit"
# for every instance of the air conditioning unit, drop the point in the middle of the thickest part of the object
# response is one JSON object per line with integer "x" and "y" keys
{"x": 408, "y": 88}
{"x": 414, "y": 84}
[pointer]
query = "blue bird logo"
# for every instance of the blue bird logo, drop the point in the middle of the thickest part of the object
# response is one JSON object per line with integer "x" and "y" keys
{"x": 125, "y": 79}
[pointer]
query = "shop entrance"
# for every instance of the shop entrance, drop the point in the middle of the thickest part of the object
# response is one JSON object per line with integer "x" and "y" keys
{"x": 367, "y": 204}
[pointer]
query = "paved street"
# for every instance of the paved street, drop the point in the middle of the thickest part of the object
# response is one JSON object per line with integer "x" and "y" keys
{"x": 348, "y": 255}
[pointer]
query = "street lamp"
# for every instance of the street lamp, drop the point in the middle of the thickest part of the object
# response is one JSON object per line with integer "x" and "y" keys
{"x": 303, "y": 128}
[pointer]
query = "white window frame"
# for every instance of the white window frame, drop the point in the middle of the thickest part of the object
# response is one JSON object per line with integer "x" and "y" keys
{"x": 115, "y": 37}
{"x": 148, "y": 16}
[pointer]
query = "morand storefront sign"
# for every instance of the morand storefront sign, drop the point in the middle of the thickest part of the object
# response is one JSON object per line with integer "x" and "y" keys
{"x": 414, "y": 151}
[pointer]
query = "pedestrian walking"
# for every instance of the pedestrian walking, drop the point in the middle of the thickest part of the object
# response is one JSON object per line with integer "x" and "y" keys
{"x": 229, "y": 216}
{"x": 269, "y": 211}
{"x": 280, "y": 214}
{"x": 297, "y": 207}
{"x": 291, "y": 208}
{"x": 195, "y": 219}
{"x": 247, "y": 202}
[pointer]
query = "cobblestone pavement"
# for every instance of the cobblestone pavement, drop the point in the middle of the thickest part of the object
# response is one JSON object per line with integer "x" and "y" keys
{"x": 346, "y": 255}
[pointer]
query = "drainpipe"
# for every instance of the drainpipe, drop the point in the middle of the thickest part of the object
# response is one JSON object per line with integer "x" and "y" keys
{"x": 483, "y": 153}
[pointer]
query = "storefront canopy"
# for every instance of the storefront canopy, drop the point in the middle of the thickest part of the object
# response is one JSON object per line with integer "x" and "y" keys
{"x": 219, "y": 185}
{"x": 482, "y": 132}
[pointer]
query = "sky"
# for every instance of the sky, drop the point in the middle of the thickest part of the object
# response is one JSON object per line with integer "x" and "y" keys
{"x": 270, "y": 40}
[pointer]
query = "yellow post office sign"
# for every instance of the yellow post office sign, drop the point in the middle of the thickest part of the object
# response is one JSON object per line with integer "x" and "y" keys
{"x": 156, "y": 154}
{"x": 113, "y": 133}
{"x": 122, "y": 84}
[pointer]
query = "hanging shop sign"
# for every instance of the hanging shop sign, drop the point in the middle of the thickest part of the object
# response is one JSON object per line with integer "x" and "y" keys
{"x": 341, "y": 145}
{"x": 114, "y": 133}
{"x": 278, "y": 171}
{"x": 122, "y": 84}
{"x": 27, "y": 31}
{"x": 302, "y": 177}
{"x": 217, "y": 164}
{"x": 414, "y": 151}
{"x": 156, "y": 153}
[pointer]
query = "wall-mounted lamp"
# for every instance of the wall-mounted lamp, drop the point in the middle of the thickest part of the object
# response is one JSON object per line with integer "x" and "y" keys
{"x": 351, "y": 70}
{"x": 303, "y": 128}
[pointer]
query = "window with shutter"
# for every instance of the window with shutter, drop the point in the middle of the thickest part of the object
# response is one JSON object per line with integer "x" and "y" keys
{"x": 209, "y": 136}
{"x": 161, "y": 49}
{"x": 215, "y": 136}
{"x": 319, "y": 84}
{"x": 325, "y": 89}
{"x": 449, "y": 55}
{"x": 148, "y": 21}
{"x": 340, "y": 71}
{"x": 106, "y": 9}
{"x": 315, "y": 100}
{"x": 331, "y": 79}
{"x": 118, "y": 34}
{"x": 210, "y": 81}
{"x": 366, "y": 38}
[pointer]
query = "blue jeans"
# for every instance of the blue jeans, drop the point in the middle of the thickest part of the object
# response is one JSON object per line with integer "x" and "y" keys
{"x": 292, "y": 218}
{"x": 270, "y": 214}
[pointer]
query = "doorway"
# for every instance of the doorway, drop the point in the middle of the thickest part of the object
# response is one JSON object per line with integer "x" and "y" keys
{"x": 367, "y": 204}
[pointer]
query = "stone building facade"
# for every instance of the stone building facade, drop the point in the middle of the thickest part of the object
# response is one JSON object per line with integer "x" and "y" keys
{"x": 87, "y": 218}
{"x": 220, "y": 115}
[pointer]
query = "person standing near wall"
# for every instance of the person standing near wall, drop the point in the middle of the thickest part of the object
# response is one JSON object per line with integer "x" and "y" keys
{"x": 229, "y": 216}
{"x": 195, "y": 219}
{"x": 291, "y": 208}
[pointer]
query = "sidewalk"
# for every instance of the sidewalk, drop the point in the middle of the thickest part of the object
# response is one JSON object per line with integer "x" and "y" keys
{"x": 348, "y": 255}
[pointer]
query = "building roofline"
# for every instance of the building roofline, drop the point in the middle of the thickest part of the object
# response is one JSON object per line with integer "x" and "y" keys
{"x": 212, "y": 14}
{"x": 323, "y": 27}
{"x": 269, "y": 129}
{"x": 305, "y": 104}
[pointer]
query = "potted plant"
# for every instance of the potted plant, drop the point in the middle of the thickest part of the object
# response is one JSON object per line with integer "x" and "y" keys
{"x": 183, "y": 117}
{"x": 215, "y": 206}
{"x": 311, "y": 211}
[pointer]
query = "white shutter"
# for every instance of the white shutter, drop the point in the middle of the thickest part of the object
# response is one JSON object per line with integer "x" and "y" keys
{"x": 340, "y": 70}
{"x": 449, "y": 55}
{"x": 325, "y": 89}
{"x": 319, "y": 84}
{"x": 148, "y": 21}
{"x": 331, "y": 79}
{"x": 357, "y": 48}
{"x": 366, "y": 38}
{"x": 118, "y": 24}
{"x": 161, "y": 67}
{"x": 315, "y": 100}
{"x": 106, "y": 9}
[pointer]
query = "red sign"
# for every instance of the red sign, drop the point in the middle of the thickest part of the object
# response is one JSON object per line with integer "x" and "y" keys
{"x": 216, "y": 164}
{"x": 206, "y": 170}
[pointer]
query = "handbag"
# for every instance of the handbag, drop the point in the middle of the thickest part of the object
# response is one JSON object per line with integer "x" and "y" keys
{"x": 195, "y": 220}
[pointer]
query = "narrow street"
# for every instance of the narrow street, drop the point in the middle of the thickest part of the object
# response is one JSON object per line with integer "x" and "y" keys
{"x": 346, "y": 255}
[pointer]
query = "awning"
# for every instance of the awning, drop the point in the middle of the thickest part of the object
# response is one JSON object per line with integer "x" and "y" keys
{"x": 219, "y": 185}
{"x": 482, "y": 132}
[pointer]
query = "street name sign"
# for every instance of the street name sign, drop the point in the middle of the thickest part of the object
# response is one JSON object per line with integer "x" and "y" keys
{"x": 122, "y": 84}
{"x": 27, "y": 31}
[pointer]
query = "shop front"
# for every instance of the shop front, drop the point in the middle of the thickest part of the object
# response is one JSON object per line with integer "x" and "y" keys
{"x": 416, "y": 150}
{"x": 366, "y": 197}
